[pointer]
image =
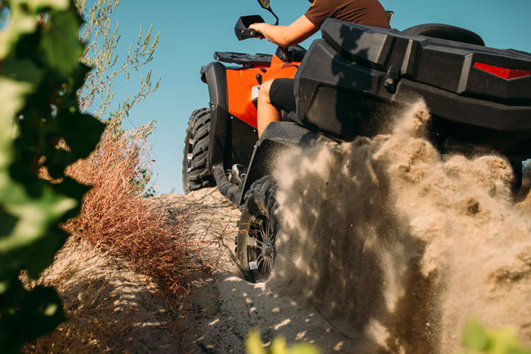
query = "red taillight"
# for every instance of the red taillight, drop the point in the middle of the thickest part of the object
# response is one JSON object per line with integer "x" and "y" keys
{"x": 504, "y": 73}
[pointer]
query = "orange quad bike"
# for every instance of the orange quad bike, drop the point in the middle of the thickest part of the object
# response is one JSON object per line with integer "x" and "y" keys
{"x": 221, "y": 142}
{"x": 345, "y": 85}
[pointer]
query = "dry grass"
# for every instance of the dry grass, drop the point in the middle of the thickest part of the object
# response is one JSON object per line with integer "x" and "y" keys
{"x": 125, "y": 261}
{"x": 116, "y": 218}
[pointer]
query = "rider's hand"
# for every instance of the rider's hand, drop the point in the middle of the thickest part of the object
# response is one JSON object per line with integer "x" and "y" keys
{"x": 285, "y": 36}
{"x": 257, "y": 26}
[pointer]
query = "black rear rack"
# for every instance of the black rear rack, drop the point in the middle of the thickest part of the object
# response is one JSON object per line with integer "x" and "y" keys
{"x": 244, "y": 59}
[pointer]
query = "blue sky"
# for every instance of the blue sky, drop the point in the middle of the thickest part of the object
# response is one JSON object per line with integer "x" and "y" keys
{"x": 191, "y": 31}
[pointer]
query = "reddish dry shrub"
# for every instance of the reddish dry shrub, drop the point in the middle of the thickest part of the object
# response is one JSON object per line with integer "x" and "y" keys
{"x": 118, "y": 219}
{"x": 108, "y": 300}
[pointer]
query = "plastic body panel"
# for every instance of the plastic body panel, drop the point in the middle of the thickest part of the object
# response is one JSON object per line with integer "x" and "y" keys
{"x": 243, "y": 58}
{"x": 338, "y": 97}
{"x": 240, "y": 82}
{"x": 231, "y": 140}
{"x": 215, "y": 75}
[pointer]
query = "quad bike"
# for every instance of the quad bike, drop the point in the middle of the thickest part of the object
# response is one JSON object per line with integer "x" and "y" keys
{"x": 477, "y": 96}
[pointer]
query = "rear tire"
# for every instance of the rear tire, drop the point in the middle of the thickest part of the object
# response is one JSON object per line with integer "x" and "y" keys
{"x": 258, "y": 229}
{"x": 196, "y": 174}
{"x": 452, "y": 33}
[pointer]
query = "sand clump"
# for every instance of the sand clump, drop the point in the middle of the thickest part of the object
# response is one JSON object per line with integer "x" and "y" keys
{"x": 403, "y": 246}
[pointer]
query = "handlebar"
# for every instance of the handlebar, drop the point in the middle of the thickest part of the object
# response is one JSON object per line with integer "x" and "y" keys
{"x": 293, "y": 53}
{"x": 247, "y": 33}
{"x": 242, "y": 27}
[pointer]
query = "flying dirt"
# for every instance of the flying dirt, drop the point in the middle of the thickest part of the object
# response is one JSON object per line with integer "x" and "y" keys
{"x": 401, "y": 244}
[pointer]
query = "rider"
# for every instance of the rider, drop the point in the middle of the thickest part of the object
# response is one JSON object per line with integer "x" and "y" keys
{"x": 276, "y": 95}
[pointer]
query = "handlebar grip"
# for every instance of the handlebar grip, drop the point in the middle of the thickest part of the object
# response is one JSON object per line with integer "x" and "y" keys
{"x": 246, "y": 33}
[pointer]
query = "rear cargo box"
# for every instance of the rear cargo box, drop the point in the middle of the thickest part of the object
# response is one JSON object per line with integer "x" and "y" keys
{"x": 351, "y": 80}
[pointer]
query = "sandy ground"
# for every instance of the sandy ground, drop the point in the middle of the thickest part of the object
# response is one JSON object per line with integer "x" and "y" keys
{"x": 217, "y": 316}
{"x": 115, "y": 309}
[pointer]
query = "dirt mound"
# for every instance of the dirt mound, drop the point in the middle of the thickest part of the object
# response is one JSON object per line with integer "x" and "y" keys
{"x": 404, "y": 244}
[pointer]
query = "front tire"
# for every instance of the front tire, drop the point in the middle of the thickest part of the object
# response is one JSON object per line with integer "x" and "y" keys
{"x": 258, "y": 229}
{"x": 196, "y": 174}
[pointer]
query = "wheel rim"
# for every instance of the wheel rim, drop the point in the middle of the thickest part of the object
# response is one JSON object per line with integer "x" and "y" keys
{"x": 261, "y": 248}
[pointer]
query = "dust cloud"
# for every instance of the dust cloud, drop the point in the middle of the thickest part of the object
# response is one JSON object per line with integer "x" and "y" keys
{"x": 400, "y": 245}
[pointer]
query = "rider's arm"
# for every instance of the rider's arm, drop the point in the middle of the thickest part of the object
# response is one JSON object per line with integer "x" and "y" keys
{"x": 286, "y": 36}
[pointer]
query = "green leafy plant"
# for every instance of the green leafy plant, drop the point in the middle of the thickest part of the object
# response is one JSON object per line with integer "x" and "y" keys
{"x": 478, "y": 339}
{"x": 42, "y": 131}
{"x": 254, "y": 345}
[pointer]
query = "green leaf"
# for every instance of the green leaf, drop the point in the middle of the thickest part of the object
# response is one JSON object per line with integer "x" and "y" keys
{"x": 23, "y": 70}
{"x": 22, "y": 22}
{"x": 253, "y": 344}
{"x": 57, "y": 161}
{"x": 12, "y": 94}
{"x": 35, "y": 313}
{"x": 39, "y": 5}
{"x": 505, "y": 342}
{"x": 279, "y": 346}
{"x": 475, "y": 337}
{"x": 39, "y": 55}
{"x": 60, "y": 43}
{"x": 7, "y": 222}
{"x": 304, "y": 348}
{"x": 478, "y": 339}
{"x": 81, "y": 132}
{"x": 34, "y": 217}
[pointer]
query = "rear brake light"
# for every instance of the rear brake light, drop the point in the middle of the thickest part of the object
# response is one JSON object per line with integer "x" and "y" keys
{"x": 502, "y": 72}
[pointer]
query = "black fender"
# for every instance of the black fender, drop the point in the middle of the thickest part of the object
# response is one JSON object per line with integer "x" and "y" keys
{"x": 231, "y": 140}
{"x": 214, "y": 74}
{"x": 278, "y": 137}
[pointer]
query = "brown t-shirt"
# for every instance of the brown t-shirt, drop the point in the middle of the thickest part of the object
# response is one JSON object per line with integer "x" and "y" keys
{"x": 364, "y": 12}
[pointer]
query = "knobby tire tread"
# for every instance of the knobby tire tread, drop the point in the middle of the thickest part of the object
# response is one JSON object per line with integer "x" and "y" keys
{"x": 196, "y": 174}
{"x": 260, "y": 202}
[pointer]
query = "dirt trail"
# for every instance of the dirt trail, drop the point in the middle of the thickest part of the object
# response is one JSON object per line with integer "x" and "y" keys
{"x": 222, "y": 308}
{"x": 111, "y": 308}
